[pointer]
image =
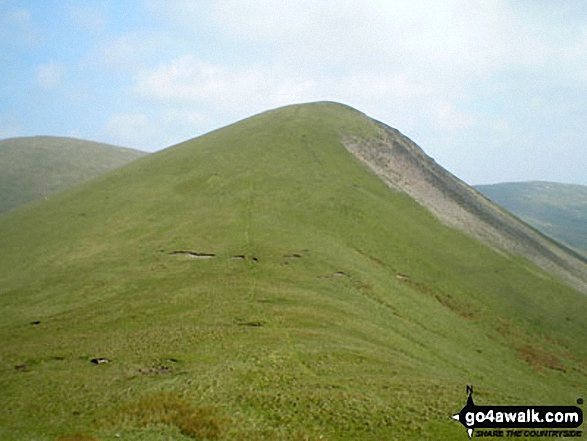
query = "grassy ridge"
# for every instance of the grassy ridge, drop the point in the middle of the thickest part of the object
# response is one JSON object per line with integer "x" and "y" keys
{"x": 34, "y": 167}
{"x": 354, "y": 315}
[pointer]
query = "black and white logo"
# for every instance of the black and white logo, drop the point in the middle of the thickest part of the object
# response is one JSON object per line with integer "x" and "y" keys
{"x": 486, "y": 418}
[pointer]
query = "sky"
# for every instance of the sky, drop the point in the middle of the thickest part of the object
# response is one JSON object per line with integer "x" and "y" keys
{"x": 495, "y": 91}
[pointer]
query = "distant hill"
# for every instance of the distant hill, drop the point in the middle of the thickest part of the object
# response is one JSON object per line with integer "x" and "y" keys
{"x": 558, "y": 210}
{"x": 305, "y": 274}
{"x": 34, "y": 167}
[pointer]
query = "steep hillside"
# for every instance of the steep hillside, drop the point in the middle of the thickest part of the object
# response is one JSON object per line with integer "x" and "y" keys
{"x": 260, "y": 282}
{"x": 405, "y": 167}
{"x": 558, "y": 210}
{"x": 34, "y": 167}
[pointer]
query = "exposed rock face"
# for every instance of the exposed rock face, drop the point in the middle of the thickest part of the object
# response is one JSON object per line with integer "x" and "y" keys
{"x": 404, "y": 167}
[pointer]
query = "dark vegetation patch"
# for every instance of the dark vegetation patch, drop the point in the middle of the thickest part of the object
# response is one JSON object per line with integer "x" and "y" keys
{"x": 36, "y": 322}
{"x": 447, "y": 300}
{"x": 199, "y": 255}
{"x": 371, "y": 258}
{"x": 252, "y": 323}
{"x": 531, "y": 348}
{"x": 367, "y": 291}
{"x": 77, "y": 437}
{"x": 335, "y": 274}
{"x": 21, "y": 368}
{"x": 275, "y": 300}
{"x": 194, "y": 254}
{"x": 165, "y": 408}
{"x": 364, "y": 288}
{"x": 158, "y": 370}
{"x": 539, "y": 358}
{"x": 289, "y": 257}
{"x": 504, "y": 327}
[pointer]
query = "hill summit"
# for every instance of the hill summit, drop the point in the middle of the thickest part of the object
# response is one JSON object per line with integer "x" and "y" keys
{"x": 261, "y": 282}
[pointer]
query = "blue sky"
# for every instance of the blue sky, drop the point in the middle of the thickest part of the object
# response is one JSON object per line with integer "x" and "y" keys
{"x": 495, "y": 90}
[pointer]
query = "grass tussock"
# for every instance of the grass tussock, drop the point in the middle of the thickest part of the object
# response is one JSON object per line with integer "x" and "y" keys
{"x": 170, "y": 409}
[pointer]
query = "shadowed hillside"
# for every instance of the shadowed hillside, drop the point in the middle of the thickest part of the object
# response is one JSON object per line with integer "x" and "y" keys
{"x": 558, "y": 210}
{"x": 260, "y": 282}
{"x": 34, "y": 167}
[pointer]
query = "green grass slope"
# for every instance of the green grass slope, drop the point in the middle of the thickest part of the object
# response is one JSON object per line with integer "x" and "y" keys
{"x": 34, "y": 167}
{"x": 558, "y": 210}
{"x": 332, "y": 308}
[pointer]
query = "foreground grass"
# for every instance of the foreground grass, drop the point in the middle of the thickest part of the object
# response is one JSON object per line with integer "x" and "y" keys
{"x": 353, "y": 314}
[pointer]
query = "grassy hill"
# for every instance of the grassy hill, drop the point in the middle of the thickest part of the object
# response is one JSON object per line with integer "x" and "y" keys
{"x": 260, "y": 282}
{"x": 559, "y": 210}
{"x": 34, "y": 167}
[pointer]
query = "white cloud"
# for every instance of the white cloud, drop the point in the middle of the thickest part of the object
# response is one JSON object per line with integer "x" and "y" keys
{"x": 468, "y": 78}
{"x": 458, "y": 31}
{"x": 451, "y": 118}
{"x": 167, "y": 126}
{"x": 188, "y": 80}
{"x": 49, "y": 75}
{"x": 18, "y": 29}
{"x": 126, "y": 52}
{"x": 219, "y": 95}
{"x": 130, "y": 129}
{"x": 419, "y": 54}
{"x": 444, "y": 42}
